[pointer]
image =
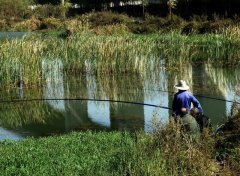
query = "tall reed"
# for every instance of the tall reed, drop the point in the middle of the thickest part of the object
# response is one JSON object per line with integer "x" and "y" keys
{"x": 87, "y": 52}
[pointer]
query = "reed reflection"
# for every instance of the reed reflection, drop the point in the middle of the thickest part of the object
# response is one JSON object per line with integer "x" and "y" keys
{"x": 221, "y": 83}
{"x": 98, "y": 112}
{"x": 157, "y": 80}
{"x": 54, "y": 87}
{"x": 42, "y": 118}
{"x": 126, "y": 88}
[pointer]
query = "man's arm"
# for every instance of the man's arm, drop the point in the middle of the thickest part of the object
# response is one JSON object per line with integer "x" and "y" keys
{"x": 196, "y": 104}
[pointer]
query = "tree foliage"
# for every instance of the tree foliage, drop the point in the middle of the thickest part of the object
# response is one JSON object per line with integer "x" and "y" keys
{"x": 171, "y": 5}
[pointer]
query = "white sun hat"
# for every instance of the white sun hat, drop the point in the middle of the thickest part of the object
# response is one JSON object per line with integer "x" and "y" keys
{"x": 182, "y": 85}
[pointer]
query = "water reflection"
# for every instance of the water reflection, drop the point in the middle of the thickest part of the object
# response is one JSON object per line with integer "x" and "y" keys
{"x": 102, "y": 109}
{"x": 12, "y": 35}
{"x": 53, "y": 87}
{"x": 7, "y": 134}
{"x": 156, "y": 80}
{"x": 41, "y": 118}
{"x": 220, "y": 83}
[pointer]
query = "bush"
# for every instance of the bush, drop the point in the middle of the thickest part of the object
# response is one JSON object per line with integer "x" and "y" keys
{"x": 184, "y": 155}
{"x": 112, "y": 29}
{"x": 142, "y": 28}
{"x": 77, "y": 24}
{"x": 3, "y": 25}
{"x": 153, "y": 24}
{"x": 228, "y": 145}
{"x": 47, "y": 10}
{"x": 191, "y": 28}
{"x": 176, "y": 23}
{"x": 14, "y": 8}
{"x": 28, "y": 25}
{"x": 51, "y": 23}
{"x": 107, "y": 18}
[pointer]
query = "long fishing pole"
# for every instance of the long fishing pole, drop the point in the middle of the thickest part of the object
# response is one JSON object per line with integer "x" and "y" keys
{"x": 88, "y": 99}
{"x": 121, "y": 101}
{"x": 83, "y": 99}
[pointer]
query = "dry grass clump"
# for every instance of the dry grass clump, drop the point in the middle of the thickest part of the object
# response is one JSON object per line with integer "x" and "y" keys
{"x": 107, "y": 18}
{"x": 183, "y": 156}
{"x": 231, "y": 30}
{"x": 3, "y": 24}
{"x": 77, "y": 25}
{"x": 51, "y": 23}
{"x": 118, "y": 29}
{"x": 31, "y": 24}
{"x": 47, "y": 10}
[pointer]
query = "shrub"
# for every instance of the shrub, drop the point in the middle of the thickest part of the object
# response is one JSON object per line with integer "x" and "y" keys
{"x": 77, "y": 25}
{"x": 175, "y": 23}
{"x": 198, "y": 18}
{"x": 153, "y": 24}
{"x": 142, "y": 27}
{"x": 231, "y": 31}
{"x": 47, "y": 10}
{"x": 215, "y": 26}
{"x": 14, "y": 8}
{"x": 228, "y": 145}
{"x": 184, "y": 155}
{"x": 3, "y": 25}
{"x": 28, "y": 25}
{"x": 112, "y": 29}
{"x": 51, "y": 23}
{"x": 107, "y": 18}
{"x": 191, "y": 28}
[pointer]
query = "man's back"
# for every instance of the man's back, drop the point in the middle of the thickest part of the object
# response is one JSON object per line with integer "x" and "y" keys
{"x": 183, "y": 98}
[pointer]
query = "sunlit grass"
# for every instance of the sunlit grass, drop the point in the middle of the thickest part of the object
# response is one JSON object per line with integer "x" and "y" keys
{"x": 163, "y": 151}
{"x": 116, "y": 153}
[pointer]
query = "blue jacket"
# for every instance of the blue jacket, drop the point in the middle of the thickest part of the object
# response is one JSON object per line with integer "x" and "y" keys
{"x": 183, "y": 99}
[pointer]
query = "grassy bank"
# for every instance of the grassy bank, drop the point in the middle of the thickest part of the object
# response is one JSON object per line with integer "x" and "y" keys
{"x": 163, "y": 152}
{"x": 104, "y": 153}
{"x": 87, "y": 52}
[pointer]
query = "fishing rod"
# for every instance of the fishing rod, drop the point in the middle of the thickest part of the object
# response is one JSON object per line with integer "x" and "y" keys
{"x": 121, "y": 101}
{"x": 93, "y": 99}
{"x": 83, "y": 99}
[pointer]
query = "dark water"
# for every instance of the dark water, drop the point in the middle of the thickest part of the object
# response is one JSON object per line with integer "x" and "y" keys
{"x": 51, "y": 117}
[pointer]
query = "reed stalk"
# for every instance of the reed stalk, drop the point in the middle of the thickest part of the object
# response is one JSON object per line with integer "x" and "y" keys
{"x": 101, "y": 54}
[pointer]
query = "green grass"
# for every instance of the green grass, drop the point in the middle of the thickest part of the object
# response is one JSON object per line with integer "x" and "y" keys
{"x": 84, "y": 154}
{"x": 110, "y": 153}
{"x": 162, "y": 152}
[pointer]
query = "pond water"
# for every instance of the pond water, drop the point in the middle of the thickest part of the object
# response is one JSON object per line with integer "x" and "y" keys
{"x": 64, "y": 106}
{"x": 11, "y": 35}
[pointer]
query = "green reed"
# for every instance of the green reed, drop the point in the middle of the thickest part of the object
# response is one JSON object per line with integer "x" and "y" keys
{"x": 87, "y": 52}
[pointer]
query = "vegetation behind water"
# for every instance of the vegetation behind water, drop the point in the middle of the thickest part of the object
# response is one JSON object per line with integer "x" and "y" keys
{"x": 84, "y": 51}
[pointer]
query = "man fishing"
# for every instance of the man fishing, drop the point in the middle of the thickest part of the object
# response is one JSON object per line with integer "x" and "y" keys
{"x": 183, "y": 99}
